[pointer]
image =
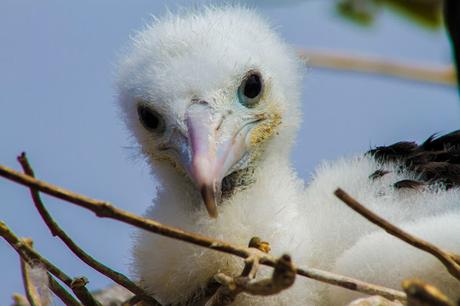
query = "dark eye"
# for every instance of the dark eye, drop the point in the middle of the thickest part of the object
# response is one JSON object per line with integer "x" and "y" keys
{"x": 250, "y": 90}
{"x": 150, "y": 119}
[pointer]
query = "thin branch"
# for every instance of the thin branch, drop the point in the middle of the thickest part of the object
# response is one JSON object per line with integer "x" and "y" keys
{"x": 446, "y": 258}
{"x": 215, "y": 294}
{"x": 53, "y": 285}
{"x": 61, "y": 292}
{"x": 282, "y": 278}
{"x": 106, "y": 210}
{"x": 31, "y": 257}
{"x": 30, "y": 290}
{"x": 78, "y": 287}
{"x": 19, "y": 300}
{"x": 420, "y": 293}
{"x": 437, "y": 74}
{"x": 230, "y": 287}
{"x": 56, "y": 230}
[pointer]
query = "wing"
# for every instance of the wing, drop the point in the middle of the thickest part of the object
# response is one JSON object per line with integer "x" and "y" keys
{"x": 435, "y": 162}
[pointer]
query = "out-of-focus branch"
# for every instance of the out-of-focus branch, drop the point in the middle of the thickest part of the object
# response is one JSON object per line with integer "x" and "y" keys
{"x": 19, "y": 300}
{"x": 32, "y": 257}
{"x": 31, "y": 292}
{"x": 420, "y": 293}
{"x": 436, "y": 74}
{"x": 56, "y": 230}
{"x": 452, "y": 22}
{"x": 449, "y": 260}
{"x": 107, "y": 210}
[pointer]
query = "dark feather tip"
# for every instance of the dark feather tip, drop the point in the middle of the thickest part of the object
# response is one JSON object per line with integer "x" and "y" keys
{"x": 408, "y": 184}
{"x": 378, "y": 174}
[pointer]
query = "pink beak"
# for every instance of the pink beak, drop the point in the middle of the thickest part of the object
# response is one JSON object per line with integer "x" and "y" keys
{"x": 213, "y": 152}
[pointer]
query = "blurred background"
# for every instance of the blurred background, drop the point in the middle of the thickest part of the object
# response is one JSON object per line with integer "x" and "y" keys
{"x": 57, "y": 104}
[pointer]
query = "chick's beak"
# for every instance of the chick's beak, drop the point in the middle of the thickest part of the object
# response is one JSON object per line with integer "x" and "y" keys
{"x": 215, "y": 146}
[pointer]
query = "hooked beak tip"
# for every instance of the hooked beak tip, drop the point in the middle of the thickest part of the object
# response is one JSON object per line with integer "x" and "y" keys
{"x": 209, "y": 198}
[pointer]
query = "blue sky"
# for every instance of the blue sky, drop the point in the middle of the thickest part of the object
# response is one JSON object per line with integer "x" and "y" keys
{"x": 57, "y": 103}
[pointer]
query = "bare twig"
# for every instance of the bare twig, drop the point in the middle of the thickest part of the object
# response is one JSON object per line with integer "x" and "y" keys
{"x": 61, "y": 292}
{"x": 56, "y": 230}
{"x": 31, "y": 257}
{"x": 107, "y": 210}
{"x": 54, "y": 286}
{"x": 443, "y": 75}
{"x": 230, "y": 286}
{"x": 19, "y": 300}
{"x": 30, "y": 290}
{"x": 283, "y": 277}
{"x": 420, "y": 293}
{"x": 448, "y": 259}
{"x": 214, "y": 294}
{"x": 259, "y": 244}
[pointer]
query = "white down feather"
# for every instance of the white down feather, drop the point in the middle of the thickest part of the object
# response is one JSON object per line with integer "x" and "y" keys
{"x": 199, "y": 52}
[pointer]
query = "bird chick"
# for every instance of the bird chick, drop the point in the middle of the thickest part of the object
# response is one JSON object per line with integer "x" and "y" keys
{"x": 213, "y": 99}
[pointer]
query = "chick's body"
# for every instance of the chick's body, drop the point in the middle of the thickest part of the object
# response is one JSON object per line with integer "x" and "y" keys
{"x": 191, "y": 72}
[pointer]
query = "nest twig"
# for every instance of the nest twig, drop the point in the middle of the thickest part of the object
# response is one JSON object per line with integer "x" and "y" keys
{"x": 282, "y": 278}
{"x": 29, "y": 255}
{"x": 56, "y": 230}
{"x": 449, "y": 260}
{"x": 229, "y": 287}
{"x": 31, "y": 292}
{"x": 107, "y": 210}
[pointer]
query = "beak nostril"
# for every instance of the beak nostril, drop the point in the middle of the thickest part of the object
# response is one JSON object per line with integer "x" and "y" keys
{"x": 202, "y": 102}
{"x": 213, "y": 148}
{"x": 219, "y": 125}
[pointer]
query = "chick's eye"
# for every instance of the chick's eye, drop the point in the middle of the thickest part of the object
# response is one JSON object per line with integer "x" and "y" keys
{"x": 150, "y": 119}
{"x": 250, "y": 90}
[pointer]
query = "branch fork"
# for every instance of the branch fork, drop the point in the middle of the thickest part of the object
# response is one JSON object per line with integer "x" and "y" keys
{"x": 283, "y": 277}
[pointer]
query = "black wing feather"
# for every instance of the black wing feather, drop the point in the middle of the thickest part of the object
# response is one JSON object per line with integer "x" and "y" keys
{"x": 435, "y": 161}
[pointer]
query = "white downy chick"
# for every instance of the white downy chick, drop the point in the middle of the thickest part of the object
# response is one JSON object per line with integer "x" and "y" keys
{"x": 213, "y": 99}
